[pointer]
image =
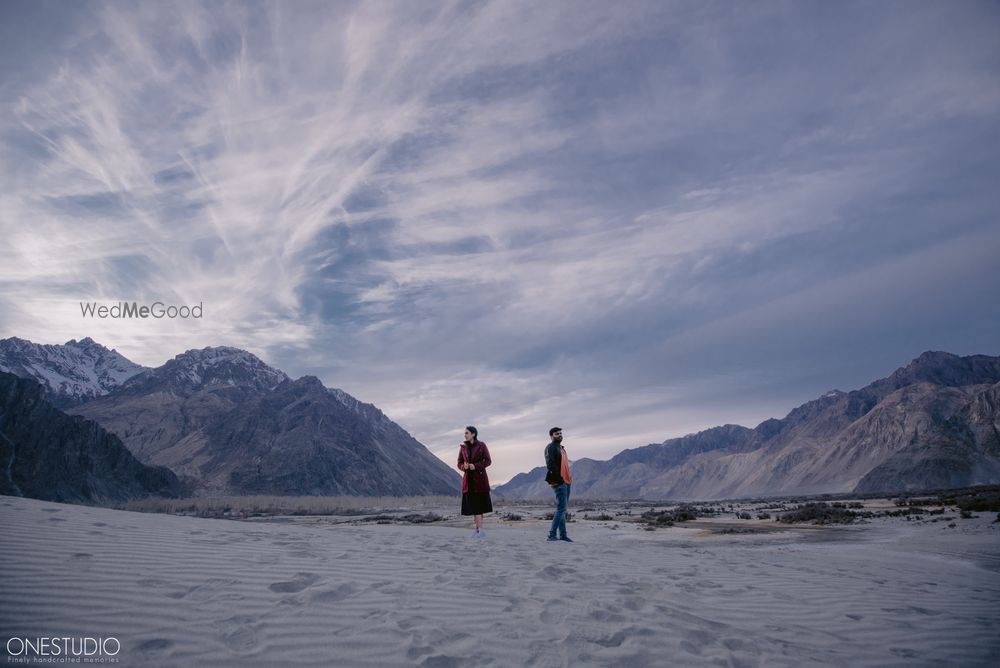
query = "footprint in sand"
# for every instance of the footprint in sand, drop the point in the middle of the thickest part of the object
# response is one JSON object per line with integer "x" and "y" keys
{"x": 334, "y": 595}
{"x": 298, "y": 583}
{"x": 213, "y": 589}
{"x": 51, "y": 510}
{"x": 153, "y": 648}
{"x": 238, "y": 633}
{"x": 303, "y": 554}
{"x": 633, "y": 603}
{"x": 376, "y": 615}
{"x": 740, "y": 645}
{"x": 176, "y": 590}
{"x": 553, "y": 611}
{"x": 444, "y": 661}
{"x": 696, "y": 641}
{"x": 555, "y": 572}
{"x": 513, "y": 604}
{"x": 81, "y": 560}
{"x": 418, "y": 651}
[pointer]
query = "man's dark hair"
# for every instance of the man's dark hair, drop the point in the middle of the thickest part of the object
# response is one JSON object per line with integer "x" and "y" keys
{"x": 554, "y": 430}
{"x": 475, "y": 432}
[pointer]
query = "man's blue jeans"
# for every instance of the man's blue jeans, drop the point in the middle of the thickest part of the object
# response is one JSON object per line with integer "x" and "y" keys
{"x": 559, "y": 518}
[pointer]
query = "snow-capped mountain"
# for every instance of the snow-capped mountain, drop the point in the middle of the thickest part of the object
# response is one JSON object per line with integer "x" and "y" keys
{"x": 197, "y": 369}
{"x": 71, "y": 373}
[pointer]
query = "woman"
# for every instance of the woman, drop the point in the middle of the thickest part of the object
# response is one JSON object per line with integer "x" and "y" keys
{"x": 473, "y": 458}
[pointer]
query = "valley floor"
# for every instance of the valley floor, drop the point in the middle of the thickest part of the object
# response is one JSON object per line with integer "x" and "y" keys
{"x": 184, "y": 591}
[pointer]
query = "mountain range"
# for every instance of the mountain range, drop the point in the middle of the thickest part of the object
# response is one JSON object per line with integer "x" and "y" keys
{"x": 226, "y": 423}
{"x": 932, "y": 424}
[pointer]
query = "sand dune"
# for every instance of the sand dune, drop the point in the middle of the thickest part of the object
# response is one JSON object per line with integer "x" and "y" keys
{"x": 182, "y": 591}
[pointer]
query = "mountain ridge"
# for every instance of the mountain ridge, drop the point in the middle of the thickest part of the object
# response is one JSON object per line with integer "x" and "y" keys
{"x": 71, "y": 373}
{"x": 835, "y": 443}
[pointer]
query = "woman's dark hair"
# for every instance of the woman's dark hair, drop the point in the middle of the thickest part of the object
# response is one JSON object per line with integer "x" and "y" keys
{"x": 475, "y": 432}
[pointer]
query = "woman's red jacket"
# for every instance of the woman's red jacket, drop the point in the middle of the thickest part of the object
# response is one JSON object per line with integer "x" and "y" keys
{"x": 478, "y": 455}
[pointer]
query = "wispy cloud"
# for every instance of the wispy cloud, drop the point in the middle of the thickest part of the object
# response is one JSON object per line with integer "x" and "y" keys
{"x": 634, "y": 220}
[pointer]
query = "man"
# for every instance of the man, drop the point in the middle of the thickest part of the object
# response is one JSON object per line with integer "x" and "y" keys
{"x": 559, "y": 480}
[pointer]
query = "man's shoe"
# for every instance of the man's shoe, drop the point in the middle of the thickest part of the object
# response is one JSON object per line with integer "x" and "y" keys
{"x": 551, "y": 539}
{"x": 567, "y": 539}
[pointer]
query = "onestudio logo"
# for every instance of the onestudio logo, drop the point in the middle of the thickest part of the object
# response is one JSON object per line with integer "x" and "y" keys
{"x": 46, "y": 649}
{"x": 134, "y": 310}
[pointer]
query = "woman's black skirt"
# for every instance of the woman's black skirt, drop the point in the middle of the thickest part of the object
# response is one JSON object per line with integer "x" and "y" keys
{"x": 476, "y": 503}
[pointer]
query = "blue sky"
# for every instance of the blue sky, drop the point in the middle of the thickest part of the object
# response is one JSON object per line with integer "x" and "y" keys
{"x": 633, "y": 220}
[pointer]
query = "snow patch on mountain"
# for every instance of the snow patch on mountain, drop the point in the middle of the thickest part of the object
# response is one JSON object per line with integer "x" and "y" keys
{"x": 70, "y": 373}
{"x": 222, "y": 365}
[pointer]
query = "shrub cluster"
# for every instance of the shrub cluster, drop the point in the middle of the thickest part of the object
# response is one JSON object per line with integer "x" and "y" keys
{"x": 666, "y": 518}
{"x": 412, "y": 518}
{"x": 912, "y": 510}
{"x": 265, "y": 506}
{"x": 819, "y": 513}
{"x": 985, "y": 498}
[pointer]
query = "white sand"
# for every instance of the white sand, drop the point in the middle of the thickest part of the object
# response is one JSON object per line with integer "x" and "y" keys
{"x": 179, "y": 591}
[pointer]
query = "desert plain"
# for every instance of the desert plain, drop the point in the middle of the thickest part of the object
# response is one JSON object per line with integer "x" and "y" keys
{"x": 383, "y": 588}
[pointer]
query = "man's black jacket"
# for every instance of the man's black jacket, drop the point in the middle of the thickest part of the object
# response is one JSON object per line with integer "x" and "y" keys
{"x": 553, "y": 462}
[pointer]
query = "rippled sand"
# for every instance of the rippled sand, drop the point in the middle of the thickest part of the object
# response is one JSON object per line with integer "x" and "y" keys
{"x": 182, "y": 591}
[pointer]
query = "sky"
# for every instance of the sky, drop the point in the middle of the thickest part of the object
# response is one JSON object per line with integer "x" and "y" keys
{"x": 632, "y": 220}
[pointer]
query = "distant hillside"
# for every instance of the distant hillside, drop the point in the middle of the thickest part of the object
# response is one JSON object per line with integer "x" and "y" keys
{"x": 931, "y": 424}
{"x": 49, "y": 455}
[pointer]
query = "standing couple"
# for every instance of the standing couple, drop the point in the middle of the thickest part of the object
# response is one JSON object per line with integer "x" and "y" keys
{"x": 474, "y": 457}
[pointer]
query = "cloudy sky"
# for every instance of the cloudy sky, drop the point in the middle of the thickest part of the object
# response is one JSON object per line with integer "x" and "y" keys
{"x": 634, "y": 220}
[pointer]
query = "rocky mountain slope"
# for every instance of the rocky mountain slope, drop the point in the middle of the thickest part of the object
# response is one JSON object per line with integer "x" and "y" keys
{"x": 303, "y": 438}
{"x": 159, "y": 407}
{"x": 46, "y": 454}
{"x": 228, "y": 423}
{"x": 933, "y": 423}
